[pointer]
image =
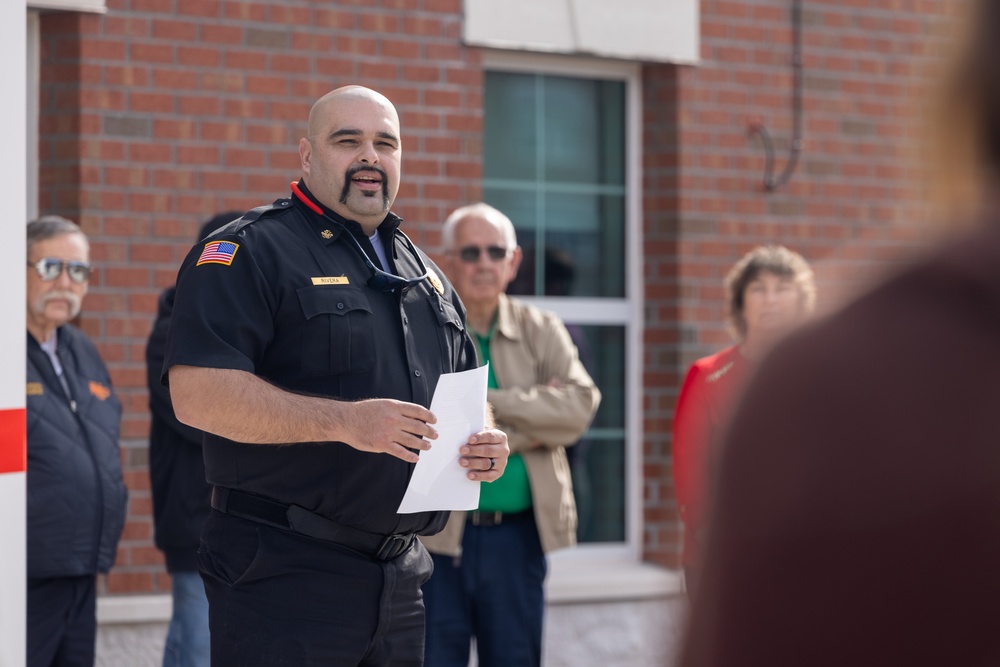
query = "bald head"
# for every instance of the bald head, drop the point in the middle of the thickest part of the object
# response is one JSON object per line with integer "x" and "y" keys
{"x": 351, "y": 158}
{"x": 318, "y": 112}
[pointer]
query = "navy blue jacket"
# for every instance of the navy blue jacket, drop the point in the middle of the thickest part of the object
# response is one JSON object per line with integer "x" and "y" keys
{"x": 76, "y": 495}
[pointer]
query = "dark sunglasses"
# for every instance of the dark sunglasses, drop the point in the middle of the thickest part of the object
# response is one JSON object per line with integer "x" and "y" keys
{"x": 49, "y": 269}
{"x": 470, "y": 253}
{"x": 384, "y": 281}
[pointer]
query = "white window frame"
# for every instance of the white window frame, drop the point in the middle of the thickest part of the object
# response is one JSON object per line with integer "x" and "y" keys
{"x": 96, "y": 6}
{"x": 607, "y": 571}
{"x": 34, "y": 84}
{"x": 636, "y": 30}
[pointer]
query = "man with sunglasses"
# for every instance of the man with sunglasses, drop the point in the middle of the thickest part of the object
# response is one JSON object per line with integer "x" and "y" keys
{"x": 489, "y": 564}
{"x": 76, "y": 495}
{"x": 306, "y": 340}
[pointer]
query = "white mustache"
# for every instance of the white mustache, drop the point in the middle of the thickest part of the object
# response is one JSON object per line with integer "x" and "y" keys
{"x": 58, "y": 295}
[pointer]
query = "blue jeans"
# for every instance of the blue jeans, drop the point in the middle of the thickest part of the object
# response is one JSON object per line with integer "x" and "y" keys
{"x": 494, "y": 593}
{"x": 187, "y": 639}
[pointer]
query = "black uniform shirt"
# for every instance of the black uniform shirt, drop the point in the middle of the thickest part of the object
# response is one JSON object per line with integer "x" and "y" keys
{"x": 285, "y": 297}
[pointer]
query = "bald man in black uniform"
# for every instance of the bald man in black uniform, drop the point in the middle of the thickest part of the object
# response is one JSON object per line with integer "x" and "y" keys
{"x": 307, "y": 339}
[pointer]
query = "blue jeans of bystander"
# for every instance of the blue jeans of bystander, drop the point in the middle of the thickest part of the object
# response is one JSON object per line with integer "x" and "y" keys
{"x": 188, "y": 639}
{"x": 494, "y": 593}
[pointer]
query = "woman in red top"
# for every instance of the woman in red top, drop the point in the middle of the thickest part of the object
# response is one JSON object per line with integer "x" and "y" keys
{"x": 769, "y": 290}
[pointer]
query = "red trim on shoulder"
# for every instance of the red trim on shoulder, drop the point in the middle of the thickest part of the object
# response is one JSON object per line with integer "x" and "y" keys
{"x": 13, "y": 449}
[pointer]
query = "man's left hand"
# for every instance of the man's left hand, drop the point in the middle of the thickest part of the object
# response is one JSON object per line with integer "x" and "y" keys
{"x": 485, "y": 455}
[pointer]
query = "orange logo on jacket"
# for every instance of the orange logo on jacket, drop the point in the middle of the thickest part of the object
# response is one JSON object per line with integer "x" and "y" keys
{"x": 100, "y": 391}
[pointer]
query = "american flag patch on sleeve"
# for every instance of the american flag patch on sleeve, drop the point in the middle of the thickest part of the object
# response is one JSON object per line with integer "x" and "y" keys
{"x": 218, "y": 252}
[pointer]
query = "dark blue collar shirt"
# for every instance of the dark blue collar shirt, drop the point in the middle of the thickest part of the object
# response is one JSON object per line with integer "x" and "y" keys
{"x": 281, "y": 293}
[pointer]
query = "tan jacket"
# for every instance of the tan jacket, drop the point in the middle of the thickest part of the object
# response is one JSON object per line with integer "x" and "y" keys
{"x": 530, "y": 349}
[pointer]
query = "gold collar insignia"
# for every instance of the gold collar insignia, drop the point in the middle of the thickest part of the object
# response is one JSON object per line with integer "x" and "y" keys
{"x": 435, "y": 282}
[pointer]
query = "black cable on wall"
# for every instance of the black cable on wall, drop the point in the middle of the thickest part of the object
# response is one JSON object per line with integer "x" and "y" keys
{"x": 772, "y": 182}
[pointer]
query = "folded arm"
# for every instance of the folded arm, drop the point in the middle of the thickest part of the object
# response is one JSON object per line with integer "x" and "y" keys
{"x": 555, "y": 411}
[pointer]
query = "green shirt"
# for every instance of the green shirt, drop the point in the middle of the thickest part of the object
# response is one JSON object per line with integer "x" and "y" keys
{"x": 512, "y": 492}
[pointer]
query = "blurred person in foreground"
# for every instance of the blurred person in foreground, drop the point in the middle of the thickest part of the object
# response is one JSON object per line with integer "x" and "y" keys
{"x": 769, "y": 291}
{"x": 490, "y": 564}
{"x": 306, "y": 340}
{"x": 180, "y": 495}
{"x": 76, "y": 495}
{"x": 858, "y": 498}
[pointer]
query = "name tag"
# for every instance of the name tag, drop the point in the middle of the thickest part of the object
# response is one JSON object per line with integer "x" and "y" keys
{"x": 335, "y": 280}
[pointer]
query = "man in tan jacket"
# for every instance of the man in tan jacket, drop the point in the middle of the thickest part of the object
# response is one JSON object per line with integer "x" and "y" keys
{"x": 489, "y": 564}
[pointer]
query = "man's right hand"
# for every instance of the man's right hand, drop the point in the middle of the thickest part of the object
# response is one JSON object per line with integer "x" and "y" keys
{"x": 388, "y": 426}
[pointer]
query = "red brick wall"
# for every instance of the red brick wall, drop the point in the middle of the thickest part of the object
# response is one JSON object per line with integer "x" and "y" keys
{"x": 850, "y": 206}
{"x": 161, "y": 113}
{"x": 661, "y": 221}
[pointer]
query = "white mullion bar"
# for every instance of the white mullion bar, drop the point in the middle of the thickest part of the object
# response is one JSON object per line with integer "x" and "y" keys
{"x": 581, "y": 310}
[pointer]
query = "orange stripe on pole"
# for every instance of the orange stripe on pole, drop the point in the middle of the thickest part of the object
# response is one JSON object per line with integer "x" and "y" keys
{"x": 13, "y": 454}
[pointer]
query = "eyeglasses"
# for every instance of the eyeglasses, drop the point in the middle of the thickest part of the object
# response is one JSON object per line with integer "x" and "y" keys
{"x": 50, "y": 269}
{"x": 384, "y": 281}
{"x": 470, "y": 253}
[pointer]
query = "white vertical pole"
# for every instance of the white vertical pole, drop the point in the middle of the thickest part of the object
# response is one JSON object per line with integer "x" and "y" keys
{"x": 13, "y": 185}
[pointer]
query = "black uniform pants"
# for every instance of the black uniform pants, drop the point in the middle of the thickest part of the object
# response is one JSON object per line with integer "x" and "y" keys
{"x": 279, "y": 598}
{"x": 62, "y": 621}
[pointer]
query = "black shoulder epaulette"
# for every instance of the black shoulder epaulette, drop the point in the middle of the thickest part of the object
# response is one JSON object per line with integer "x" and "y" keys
{"x": 255, "y": 214}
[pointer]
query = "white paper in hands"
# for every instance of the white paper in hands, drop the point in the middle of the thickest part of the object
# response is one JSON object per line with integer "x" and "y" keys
{"x": 438, "y": 481}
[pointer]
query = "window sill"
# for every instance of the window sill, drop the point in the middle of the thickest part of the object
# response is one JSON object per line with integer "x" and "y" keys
{"x": 594, "y": 581}
{"x": 133, "y": 609}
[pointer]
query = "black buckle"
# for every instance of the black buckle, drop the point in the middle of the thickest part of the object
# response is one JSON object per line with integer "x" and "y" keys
{"x": 486, "y": 519}
{"x": 393, "y": 545}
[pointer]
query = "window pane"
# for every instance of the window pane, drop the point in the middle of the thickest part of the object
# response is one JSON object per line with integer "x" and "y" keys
{"x": 597, "y": 461}
{"x": 584, "y": 131}
{"x": 598, "y": 473}
{"x": 510, "y": 135}
{"x": 518, "y": 204}
{"x": 590, "y": 229}
{"x": 569, "y": 198}
{"x": 602, "y": 351}
{"x": 578, "y": 230}
{"x": 554, "y": 162}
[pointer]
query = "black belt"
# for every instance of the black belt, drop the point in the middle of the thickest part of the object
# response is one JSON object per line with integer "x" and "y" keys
{"x": 478, "y": 518}
{"x": 300, "y": 520}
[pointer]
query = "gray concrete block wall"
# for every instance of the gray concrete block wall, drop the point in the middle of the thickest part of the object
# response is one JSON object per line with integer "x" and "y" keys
{"x": 644, "y": 633}
{"x": 130, "y": 644}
